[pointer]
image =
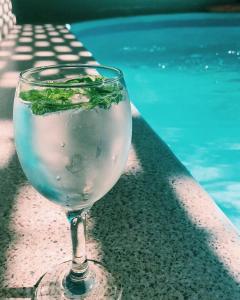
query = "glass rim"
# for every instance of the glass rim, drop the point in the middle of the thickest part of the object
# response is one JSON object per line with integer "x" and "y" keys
{"x": 24, "y": 73}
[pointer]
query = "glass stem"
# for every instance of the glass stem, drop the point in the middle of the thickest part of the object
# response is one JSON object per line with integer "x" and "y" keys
{"x": 79, "y": 269}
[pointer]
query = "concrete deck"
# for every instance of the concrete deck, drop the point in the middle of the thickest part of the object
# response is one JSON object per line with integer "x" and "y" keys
{"x": 157, "y": 231}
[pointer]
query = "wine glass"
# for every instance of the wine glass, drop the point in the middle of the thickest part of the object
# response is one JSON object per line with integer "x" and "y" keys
{"x": 73, "y": 127}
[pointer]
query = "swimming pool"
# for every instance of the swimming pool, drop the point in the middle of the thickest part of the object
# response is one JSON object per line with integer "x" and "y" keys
{"x": 182, "y": 73}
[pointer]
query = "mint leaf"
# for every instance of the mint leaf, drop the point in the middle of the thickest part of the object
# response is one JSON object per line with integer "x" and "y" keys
{"x": 57, "y": 99}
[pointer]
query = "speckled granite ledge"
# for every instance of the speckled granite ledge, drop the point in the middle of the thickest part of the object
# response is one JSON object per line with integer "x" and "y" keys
{"x": 157, "y": 231}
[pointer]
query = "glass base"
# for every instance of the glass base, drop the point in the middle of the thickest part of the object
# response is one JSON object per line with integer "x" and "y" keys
{"x": 98, "y": 285}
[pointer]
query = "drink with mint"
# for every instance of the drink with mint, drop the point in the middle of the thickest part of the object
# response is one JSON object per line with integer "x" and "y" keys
{"x": 72, "y": 132}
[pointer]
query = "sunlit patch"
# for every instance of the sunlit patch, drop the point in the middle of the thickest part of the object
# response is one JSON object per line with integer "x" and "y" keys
{"x": 42, "y": 63}
{"x": 6, "y": 129}
{"x": 135, "y": 112}
{"x": 42, "y": 44}
{"x": 6, "y": 17}
{"x": 27, "y": 33}
{"x": 27, "y": 27}
{"x": 4, "y": 53}
{"x": 31, "y": 225}
{"x": 5, "y": 29}
{"x": 21, "y": 57}
{"x": 12, "y": 21}
{"x": 7, "y": 43}
{"x": 38, "y": 26}
{"x": 40, "y": 36}
{"x": 6, "y": 142}
{"x": 62, "y": 49}
{"x": 5, "y": 7}
{"x": 53, "y": 33}
{"x": 57, "y": 40}
{"x": 60, "y": 26}
{"x": 39, "y": 31}
{"x": 48, "y": 26}
{"x": 49, "y": 29}
{"x": 133, "y": 165}
{"x": 93, "y": 63}
{"x": 69, "y": 36}
{"x": 44, "y": 53}
{"x": 9, "y": 79}
{"x": 15, "y": 30}
{"x": 50, "y": 72}
{"x": 28, "y": 30}
{"x": 68, "y": 57}
{"x": 25, "y": 39}
{"x": 76, "y": 44}
{"x": 12, "y": 36}
{"x": 64, "y": 30}
{"x": 3, "y": 64}
{"x": 23, "y": 49}
{"x": 85, "y": 53}
{"x": 91, "y": 71}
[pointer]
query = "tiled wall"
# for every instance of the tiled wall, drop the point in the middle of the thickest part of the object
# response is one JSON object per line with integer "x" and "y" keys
{"x": 7, "y": 18}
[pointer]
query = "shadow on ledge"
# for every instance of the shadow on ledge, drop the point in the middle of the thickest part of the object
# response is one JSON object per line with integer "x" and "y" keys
{"x": 147, "y": 239}
{"x": 18, "y": 293}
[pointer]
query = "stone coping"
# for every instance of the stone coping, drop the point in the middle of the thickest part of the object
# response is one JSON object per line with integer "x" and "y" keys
{"x": 157, "y": 231}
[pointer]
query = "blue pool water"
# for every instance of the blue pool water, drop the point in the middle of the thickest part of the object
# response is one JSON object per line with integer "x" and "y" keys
{"x": 182, "y": 73}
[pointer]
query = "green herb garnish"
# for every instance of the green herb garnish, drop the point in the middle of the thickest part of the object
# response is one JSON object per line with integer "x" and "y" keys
{"x": 56, "y": 99}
